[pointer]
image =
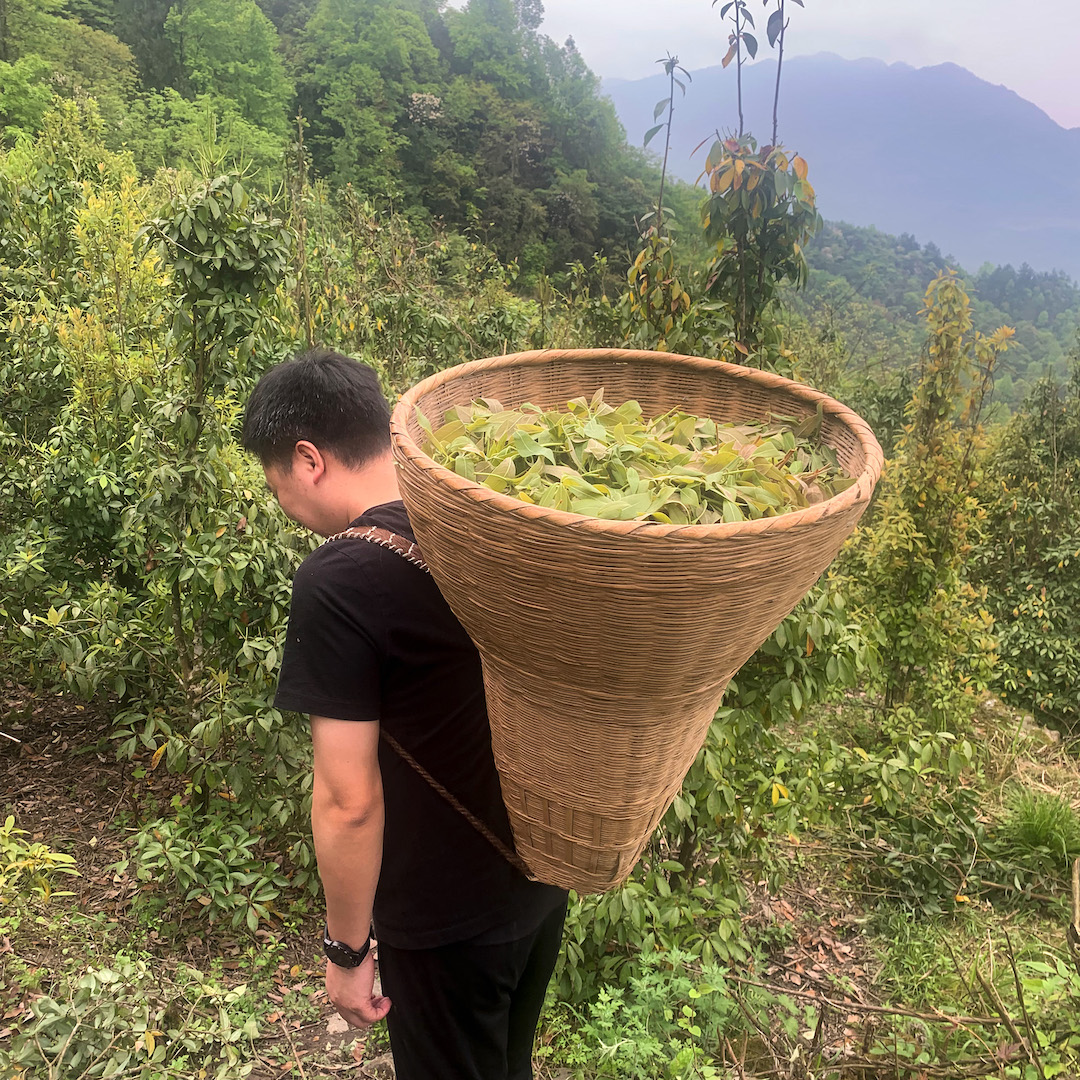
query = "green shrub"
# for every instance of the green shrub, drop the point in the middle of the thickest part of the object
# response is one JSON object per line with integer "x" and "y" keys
{"x": 125, "y": 1020}
{"x": 909, "y": 564}
{"x": 210, "y": 864}
{"x": 1028, "y": 558}
{"x": 658, "y": 1025}
{"x": 29, "y": 868}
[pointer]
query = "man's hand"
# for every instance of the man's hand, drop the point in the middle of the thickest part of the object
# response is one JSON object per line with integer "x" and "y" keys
{"x": 351, "y": 992}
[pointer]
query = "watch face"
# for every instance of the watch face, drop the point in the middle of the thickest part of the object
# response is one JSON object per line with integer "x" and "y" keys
{"x": 342, "y": 956}
{"x": 337, "y": 952}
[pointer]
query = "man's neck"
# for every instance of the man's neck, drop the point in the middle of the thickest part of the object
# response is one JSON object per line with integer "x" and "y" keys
{"x": 373, "y": 485}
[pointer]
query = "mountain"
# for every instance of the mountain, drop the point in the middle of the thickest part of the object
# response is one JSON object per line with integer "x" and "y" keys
{"x": 936, "y": 152}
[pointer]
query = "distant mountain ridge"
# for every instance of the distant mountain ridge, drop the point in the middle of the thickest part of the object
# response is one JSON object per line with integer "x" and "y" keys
{"x": 934, "y": 151}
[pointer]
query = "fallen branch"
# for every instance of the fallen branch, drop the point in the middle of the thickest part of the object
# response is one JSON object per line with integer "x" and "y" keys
{"x": 880, "y": 1010}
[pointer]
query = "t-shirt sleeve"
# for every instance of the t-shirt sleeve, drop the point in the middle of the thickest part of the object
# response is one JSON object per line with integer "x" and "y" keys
{"x": 333, "y": 647}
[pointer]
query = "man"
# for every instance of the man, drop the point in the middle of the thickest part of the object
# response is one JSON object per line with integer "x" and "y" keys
{"x": 467, "y": 943}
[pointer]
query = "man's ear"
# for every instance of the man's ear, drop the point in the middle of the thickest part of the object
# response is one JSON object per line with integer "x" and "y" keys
{"x": 308, "y": 461}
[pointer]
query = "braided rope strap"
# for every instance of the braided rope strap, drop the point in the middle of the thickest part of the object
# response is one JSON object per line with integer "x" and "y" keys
{"x": 408, "y": 550}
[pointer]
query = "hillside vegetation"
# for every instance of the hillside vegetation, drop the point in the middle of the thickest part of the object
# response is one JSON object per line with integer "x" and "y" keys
{"x": 869, "y": 287}
{"x": 866, "y": 873}
{"x": 465, "y": 118}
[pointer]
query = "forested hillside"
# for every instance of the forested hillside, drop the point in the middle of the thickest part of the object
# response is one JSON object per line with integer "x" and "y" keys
{"x": 467, "y": 118}
{"x": 869, "y": 287}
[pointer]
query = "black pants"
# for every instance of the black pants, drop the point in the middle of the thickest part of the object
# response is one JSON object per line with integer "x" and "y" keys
{"x": 469, "y": 1012}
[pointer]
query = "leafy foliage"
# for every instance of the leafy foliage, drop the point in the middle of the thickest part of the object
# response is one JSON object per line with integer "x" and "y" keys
{"x": 211, "y": 862}
{"x": 1029, "y": 559}
{"x": 29, "y": 868}
{"x": 909, "y": 565}
{"x": 228, "y": 50}
{"x": 122, "y": 545}
{"x": 117, "y": 1021}
{"x": 760, "y": 213}
{"x": 658, "y": 1025}
{"x": 611, "y": 462}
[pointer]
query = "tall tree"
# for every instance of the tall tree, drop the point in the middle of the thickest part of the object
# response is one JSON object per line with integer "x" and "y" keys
{"x": 228, "y": 49}
{"x": 488, "y": 45}
{"x": 141, "y": 24}
{"x": 363, "y": 61}
{"x": 98, "y": 14}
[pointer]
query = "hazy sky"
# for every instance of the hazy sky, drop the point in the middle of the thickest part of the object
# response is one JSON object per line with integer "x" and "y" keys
{"x": 1032, "y": 48}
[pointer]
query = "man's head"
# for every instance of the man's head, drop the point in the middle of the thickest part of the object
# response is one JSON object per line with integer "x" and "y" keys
{"x": 318, "y": 424}
{"x": 319, "y": 397}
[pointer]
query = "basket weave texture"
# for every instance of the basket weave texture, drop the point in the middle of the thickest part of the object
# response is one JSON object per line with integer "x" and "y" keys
{"x": 606, "y": 645}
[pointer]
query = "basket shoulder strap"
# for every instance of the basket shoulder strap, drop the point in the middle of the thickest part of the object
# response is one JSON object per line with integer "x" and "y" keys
{"x": 408, "y": 550}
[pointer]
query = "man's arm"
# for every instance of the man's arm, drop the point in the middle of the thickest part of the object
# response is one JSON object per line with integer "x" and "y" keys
{"x": 347, "y": 824}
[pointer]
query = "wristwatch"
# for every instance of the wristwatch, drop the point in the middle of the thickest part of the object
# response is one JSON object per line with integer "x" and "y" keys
{"x": 337, "y": 952}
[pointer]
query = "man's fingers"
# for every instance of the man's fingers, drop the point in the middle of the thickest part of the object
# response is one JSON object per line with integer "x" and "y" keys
{"x": 375, "y": 1010}
{"x": 363, "y": 1016}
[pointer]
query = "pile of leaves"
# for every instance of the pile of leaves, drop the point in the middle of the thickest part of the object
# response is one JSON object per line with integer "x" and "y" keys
{"x": 610, "y": 462}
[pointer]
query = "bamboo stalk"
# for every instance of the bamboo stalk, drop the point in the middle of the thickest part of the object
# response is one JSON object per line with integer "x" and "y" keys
{"x": 1072, "y": 935}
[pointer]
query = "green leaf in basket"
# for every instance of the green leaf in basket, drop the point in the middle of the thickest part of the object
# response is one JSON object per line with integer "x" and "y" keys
{"x": 613, "y": 463}
{"x": 593, "y": 429}
{"x": 455, "y": 429}
{"x": 528, "y": 447}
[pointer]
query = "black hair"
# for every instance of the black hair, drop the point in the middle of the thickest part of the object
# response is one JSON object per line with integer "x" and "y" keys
{"x": 323, "y": 397}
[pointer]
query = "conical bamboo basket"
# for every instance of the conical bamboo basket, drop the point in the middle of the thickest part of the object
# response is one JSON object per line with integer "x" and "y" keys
{"x": 607, "y": 645}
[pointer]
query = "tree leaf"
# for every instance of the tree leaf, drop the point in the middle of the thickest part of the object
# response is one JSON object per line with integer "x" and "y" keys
{"x": 651, "y": 133}
{"x": 775, "y": 25}
{"x": 751, "y": 44}
{"x": 730, "y": 55}
{"x": 660, "y": 107}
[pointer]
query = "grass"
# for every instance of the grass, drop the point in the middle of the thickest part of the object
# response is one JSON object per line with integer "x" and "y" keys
{"x": 1041, "y": 827}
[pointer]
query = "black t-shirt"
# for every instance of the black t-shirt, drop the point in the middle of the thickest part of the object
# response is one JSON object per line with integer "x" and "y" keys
{"x": 371, "y": 638}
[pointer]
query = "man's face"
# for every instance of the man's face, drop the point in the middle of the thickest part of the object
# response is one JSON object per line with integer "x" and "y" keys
{"x": 296, "y": 495}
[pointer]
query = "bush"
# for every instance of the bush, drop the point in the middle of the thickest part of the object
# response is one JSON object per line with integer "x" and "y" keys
{"x": 1028, "y": 559}
{"x": 123, "y": 1021}
{"x": 29, "y": 868}
{"x": 657, "y": 1026}
{"x": 910, "y": 565}
{"x": 210, "y": 862}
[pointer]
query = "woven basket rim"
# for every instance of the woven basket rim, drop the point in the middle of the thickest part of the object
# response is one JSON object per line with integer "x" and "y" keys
{"x": 406, "y": 446}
